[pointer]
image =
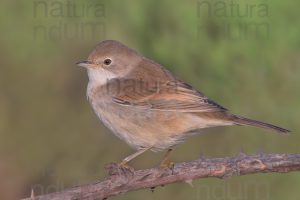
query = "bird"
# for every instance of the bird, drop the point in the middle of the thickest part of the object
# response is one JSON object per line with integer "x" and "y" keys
{"x": 147, "y": 106}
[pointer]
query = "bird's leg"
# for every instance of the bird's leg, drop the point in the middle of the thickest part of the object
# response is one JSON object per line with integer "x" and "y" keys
{"x": 166, "y": 162}
{"x": 132, "y": 156}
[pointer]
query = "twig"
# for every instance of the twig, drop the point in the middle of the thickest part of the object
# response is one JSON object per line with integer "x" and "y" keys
{"x": 122, "y": 180}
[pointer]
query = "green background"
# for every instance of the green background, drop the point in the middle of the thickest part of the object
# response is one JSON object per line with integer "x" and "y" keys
{"x": 50, "y": 139}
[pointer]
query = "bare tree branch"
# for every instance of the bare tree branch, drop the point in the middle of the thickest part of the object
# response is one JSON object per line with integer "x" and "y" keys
{"x": 122, "y": 180}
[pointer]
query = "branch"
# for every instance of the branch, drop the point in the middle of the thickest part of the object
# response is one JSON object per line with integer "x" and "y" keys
{"x": 122, "y": 180}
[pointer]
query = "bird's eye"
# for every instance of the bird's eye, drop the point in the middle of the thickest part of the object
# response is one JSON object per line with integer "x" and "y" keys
{"x": 107, "y": 61}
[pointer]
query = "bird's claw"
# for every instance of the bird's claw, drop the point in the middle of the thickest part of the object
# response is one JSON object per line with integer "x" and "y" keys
{"x": 125, "y": 168}
{"x": 167, "y": 164}
{"x": 119, "y": 169}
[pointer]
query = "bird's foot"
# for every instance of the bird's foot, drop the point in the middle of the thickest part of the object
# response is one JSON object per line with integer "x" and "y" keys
{"x": 167, "y": 164}
{"x": 125, "y": 167}
{"x": 119, "y": 169}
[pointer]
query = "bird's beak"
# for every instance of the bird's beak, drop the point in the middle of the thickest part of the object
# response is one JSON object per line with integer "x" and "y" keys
{"x": 84, "y": 63}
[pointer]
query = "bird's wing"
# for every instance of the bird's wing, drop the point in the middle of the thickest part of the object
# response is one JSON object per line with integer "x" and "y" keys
{"x": 168, "y": 96}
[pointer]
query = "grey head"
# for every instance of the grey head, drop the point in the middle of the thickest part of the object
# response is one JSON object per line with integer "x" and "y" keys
{"x": 110, "y": 59}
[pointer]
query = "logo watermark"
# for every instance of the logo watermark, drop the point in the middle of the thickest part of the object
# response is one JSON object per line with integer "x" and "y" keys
{"x": 252, "y": 190}
{"x": 56, "y": 183}
{"x": 68, "y": 20}
{"x": 145, "y": 97}
{"x": 233, "y": 20}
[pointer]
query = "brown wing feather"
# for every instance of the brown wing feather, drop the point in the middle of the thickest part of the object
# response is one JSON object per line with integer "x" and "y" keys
{"x": 168, "y": 96}
{"x": 160, "y": 91}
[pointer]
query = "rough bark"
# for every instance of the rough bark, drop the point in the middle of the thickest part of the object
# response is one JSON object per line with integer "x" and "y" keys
{"x": 122, "y": 180}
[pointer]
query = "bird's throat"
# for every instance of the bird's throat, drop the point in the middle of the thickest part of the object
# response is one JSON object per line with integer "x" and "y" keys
{"x": 98, "y": 77}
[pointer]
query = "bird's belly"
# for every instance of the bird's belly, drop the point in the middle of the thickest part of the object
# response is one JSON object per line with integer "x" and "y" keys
{"x": 142, "y": 128}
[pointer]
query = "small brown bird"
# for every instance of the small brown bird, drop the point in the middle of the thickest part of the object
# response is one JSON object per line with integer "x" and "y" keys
{"x": 145, "y": 105}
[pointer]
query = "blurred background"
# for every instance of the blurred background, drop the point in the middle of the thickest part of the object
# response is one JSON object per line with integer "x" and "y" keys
{"x": 245, "y": 55}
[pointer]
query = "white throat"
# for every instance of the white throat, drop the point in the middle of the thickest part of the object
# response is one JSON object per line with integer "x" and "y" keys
{"x": 98, "y": 77}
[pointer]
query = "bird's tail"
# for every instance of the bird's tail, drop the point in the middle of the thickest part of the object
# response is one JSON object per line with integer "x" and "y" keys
{"x": 250, "y": 122}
